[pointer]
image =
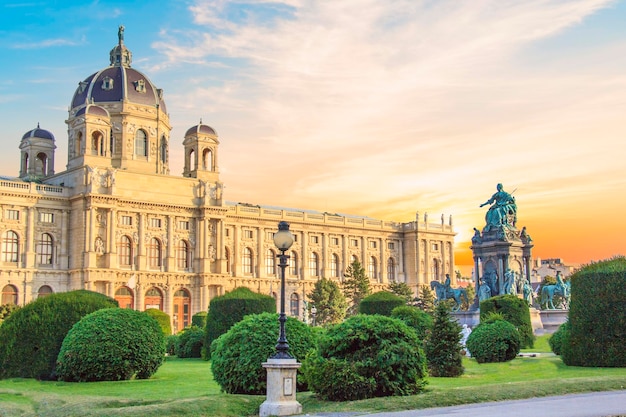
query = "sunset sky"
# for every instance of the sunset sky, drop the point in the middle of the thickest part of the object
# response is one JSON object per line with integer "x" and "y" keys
{"x": 369, "y": 107}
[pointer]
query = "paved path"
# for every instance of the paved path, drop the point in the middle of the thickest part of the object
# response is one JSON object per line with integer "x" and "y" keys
{"x": 599, "y": 404}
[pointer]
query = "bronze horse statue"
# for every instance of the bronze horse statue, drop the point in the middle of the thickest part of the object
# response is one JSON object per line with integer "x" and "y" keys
{"x": 549, "y": 291}
{"x": 457, "y": 294}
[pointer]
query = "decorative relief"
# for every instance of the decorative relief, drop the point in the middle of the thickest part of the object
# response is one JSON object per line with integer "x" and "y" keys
{"x": 99, "y": 245}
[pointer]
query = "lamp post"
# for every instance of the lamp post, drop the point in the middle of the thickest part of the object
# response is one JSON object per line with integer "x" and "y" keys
{"x": 281, "y": 367}
{"x": 313, "y": 313}
{"x": 283, "y": 239}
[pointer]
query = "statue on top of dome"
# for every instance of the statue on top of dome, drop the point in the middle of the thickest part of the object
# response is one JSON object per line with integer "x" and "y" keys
{"x": 120, "y": 33}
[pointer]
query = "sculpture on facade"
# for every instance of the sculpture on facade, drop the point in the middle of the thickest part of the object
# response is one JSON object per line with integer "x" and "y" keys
{"x": 446, "y": 292}
{"x": 503, "y": 209}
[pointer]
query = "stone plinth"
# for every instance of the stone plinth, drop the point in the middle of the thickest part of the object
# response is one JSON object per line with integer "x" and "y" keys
{"x": 535, "y": 320}
{"x": 471, "y": 318}
{"x": 552, "y": 319}
{"x": 281, "y": 388}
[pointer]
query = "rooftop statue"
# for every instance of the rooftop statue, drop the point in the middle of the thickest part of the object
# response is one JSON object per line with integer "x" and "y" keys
{"x": 503, "y": 210}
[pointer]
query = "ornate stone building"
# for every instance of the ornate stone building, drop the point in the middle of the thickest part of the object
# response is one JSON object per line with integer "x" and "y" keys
{"x": 115, "y": 221}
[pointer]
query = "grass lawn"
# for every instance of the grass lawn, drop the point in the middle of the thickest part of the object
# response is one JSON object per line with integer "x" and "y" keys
{"x": 186, "y": 387}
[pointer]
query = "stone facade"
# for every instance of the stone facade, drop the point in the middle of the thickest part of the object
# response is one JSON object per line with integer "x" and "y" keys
{"x": 115, "y": 221}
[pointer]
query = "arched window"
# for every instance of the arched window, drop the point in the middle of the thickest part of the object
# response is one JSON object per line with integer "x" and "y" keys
{"x": 314, "y": 267}
{"x": 111, "y": 143}
{"x": 353, "y": 258}
{"x": 79, "y": 143}
{"x": 153, "y": 299}
{"x": 391, "y": 270}
{"x": 9, "y": 294}
{"x": 270, "y": 262}
{"x": 124, "y": 297}
{"x": 293, "y": 263}
{"x": 141, "y": 143}
{"x": 371, "y": 268}
{"x": 192, "y": 160}
{"x": 97, "y": 144}
{"x": 294, "y": 305}
{"x": 44, "y": 291}
{"x": 25, "y": 163}
{"x": 42, "y": 164}
{"x": 163, "y": 149}
{"x": 10, "y": 246}
{"x": 246, "y": 260}
{"x": 182, "y": 305}
{"x": 44, "y": 249}
{"x": 154, "y": 253}
{"x": 434, "y": 270}
{"x": 183, "y": 255}
{"x": 334, "y": 265}
{"x": 125, "y": 251}
{"x": 207, "y": 160}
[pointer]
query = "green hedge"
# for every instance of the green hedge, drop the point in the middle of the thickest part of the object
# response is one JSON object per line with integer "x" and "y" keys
{"x": 189, "y": 344}
{"x": 418, "y": 319}
{"x": 199, "y": 319}
{"x": 230, "y": 308}
{"x": 162, "y": 318}
{"x": 238, "y": 354}
{"x": 515, "y": 310}
{"x": 6, "y": 310}
{"x": 496, "y": 341}
{"x": 556, "y": 339}
{"x": 31, "y": 337}
{"x": 112, "y": 344}
{"x": 366, "y": 356}
{"x": 596, "y": 315}
{"x": 382, "y": 302}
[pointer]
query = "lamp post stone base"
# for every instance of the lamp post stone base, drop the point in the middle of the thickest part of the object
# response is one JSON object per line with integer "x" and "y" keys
{"x": 281, "y": 388}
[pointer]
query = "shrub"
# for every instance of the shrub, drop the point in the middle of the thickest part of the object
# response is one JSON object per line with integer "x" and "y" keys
{"x": 230, "y": 308}
{"x": 6, "y": 310}
{"x": 32, "y": 336}
{"x": 596, "y": 316}
{"x": 238, "y": 354}
{"x": 417, "y": 319}
{"x": 112, "y": 344}
{"x": 443, "y": 345}
{"x": 498, "y": 341}
{"x": 199, "y": 319}
{"x": 382, "y": 302}
{"x": 556, "y": 340}
{"x": 366, "y": 356}
{"x": 162, "y": 318}
{"x": 515, "y": 311}
{"x": 190, "y": 342}
{"x": 171, "y": 344}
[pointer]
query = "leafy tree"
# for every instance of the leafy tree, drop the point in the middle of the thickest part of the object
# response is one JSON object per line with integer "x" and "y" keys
{"x": 6, "y": 310}
{"x": 329, "y": 302}
{"x": 443, "y": 347}
{"x": 401, "y": 289}
{"x": 356, "y": 286}
{"x": 426, "y": 299}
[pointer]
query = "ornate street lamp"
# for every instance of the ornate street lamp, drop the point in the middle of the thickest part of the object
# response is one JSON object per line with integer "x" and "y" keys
{"x": 283, "y": 239}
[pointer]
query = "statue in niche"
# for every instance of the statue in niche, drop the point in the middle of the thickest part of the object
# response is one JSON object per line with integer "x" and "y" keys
{"x": 503, "y": 209}
{"x": 484, "y": 292}
{"x": 510, "y": 287}
{"x": 491, "y": 279}
{"x": 99, "y": 246}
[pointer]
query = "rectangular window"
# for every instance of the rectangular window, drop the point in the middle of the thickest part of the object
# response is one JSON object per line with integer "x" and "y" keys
{"x": 13, "y": 214}
{"x": 354, "y": 243}
{"x": 227, "y": 232}
{"x": 155, "y": 223}
{"x": 127, "y": 221}
{"x": 183, "y": 225}
{"x": 390, "y": 245}
{"x": 46, "y": 217}
{"x": 372, "y": 244}
{"x": 247, "y": 234}
{"x": 334, "y": 241}
{"x": 435, "y": 246}
{"x": 315, "y": 239}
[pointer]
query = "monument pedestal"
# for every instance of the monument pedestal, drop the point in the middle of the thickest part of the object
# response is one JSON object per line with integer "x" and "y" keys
{"x": 281, "y": 388}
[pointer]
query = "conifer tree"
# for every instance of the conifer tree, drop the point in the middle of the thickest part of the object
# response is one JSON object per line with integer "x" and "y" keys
{"x": 443, "y": 347}
{"x": 401, "y": 289}
{"x": 356, "y": 286}
{"x": 329, "y": 302}
{"x": 426, "y": 299}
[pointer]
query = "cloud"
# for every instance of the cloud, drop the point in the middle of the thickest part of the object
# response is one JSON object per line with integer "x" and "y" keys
{"x": 48, "y": 43}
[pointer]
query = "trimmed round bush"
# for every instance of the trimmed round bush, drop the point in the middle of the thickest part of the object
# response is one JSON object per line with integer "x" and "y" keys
{"x": 596, "y": 316}
{"x": 190, "y": 342}
{"x": 230, "y": 308}
{"x": 238, "y": 354}
{"x": 497, "y": 341}
{"x": 112, "y": 344}
{"x": 418, "y": 319}
{"x": 366, "y": 356}
{"x": 516, "y": 311}
{"x": 199, "y": 319}
{"x": 31, "y": 337}
{"x": 162, "y": 318}
{"x": 382, "y": 302}
{"x": 556, "y": 339}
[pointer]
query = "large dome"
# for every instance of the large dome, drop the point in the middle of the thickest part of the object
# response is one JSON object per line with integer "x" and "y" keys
{"x": 118, "y": 82}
